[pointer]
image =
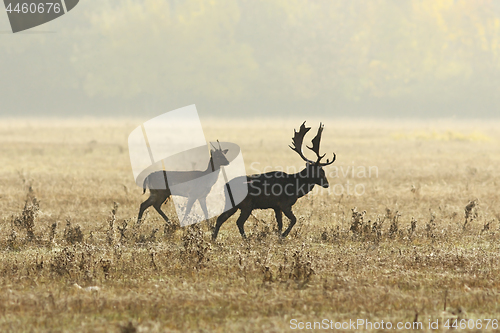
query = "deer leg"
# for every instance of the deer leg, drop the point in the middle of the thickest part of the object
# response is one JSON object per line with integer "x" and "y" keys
{"x": 241, "y": 221}
{"x": 189, "y": 205}
{"x": 145, "y": 205}
{"x": 221, "y": 219}
{"x": 279, "y": 219}
{"x": 157, "y": 205}
{"x": 288, "y": 213}
{"x": 203, "y": 204}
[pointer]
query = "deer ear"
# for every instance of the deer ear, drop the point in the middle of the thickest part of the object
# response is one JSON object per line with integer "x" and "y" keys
{"x": 225, "y": 151}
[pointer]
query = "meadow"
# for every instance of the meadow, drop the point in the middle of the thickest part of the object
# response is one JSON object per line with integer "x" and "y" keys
{"x": 408, "y": 232}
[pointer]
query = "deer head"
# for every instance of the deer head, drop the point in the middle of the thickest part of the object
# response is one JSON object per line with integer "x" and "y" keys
{"x": 217, "y": 156}
{"x": 314, "y": 169}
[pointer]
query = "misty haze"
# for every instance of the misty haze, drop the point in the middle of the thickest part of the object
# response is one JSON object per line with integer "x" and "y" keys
{"x": 381, "y": 58}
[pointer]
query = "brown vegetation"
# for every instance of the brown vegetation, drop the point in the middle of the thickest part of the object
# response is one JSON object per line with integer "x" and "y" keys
{"x": 421, "y": 242}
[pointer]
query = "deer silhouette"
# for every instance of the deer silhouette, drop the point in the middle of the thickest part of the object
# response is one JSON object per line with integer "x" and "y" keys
{"x": 160, "y": 189}
{"x": 278, "y": 190}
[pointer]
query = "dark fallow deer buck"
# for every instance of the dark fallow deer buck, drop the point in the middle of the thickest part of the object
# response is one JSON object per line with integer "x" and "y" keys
{"x": 278, "y": 190}
{"x": 183, "y": 187}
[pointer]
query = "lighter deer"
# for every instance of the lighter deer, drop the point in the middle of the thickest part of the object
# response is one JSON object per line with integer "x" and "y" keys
{"x": 181, "y": 182}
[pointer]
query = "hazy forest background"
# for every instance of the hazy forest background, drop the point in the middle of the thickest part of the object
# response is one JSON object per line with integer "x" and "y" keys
{"x": 379, "y": 58}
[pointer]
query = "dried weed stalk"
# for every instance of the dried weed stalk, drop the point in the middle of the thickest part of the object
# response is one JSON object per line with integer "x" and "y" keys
{"x": 196, "y": 249}
{"x": 110, "y": 234}
{"x": 26, "y": 220}
{"x": 471, "y": 212}
{"x": 72, "y": 234}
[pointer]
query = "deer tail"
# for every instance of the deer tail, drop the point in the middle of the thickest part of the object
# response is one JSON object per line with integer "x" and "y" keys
{"x": 144, "y": 185}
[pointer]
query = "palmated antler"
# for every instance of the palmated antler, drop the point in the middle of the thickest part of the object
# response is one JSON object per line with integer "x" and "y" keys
{"x": 298, "y": 138}
{"x": 315, "y": 148}
{"x": 316, "y": 141}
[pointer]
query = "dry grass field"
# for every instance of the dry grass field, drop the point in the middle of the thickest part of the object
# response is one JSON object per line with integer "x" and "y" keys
{"x": 417, "y": 240}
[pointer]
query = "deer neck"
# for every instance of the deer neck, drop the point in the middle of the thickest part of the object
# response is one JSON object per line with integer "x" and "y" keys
{"x": 211, "y": 167}
{"x": 305, "y": 182}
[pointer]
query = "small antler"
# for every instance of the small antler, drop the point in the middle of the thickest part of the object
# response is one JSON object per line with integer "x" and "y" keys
{"x": 215, "y": 148}
{"x": 297, "y": 140}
